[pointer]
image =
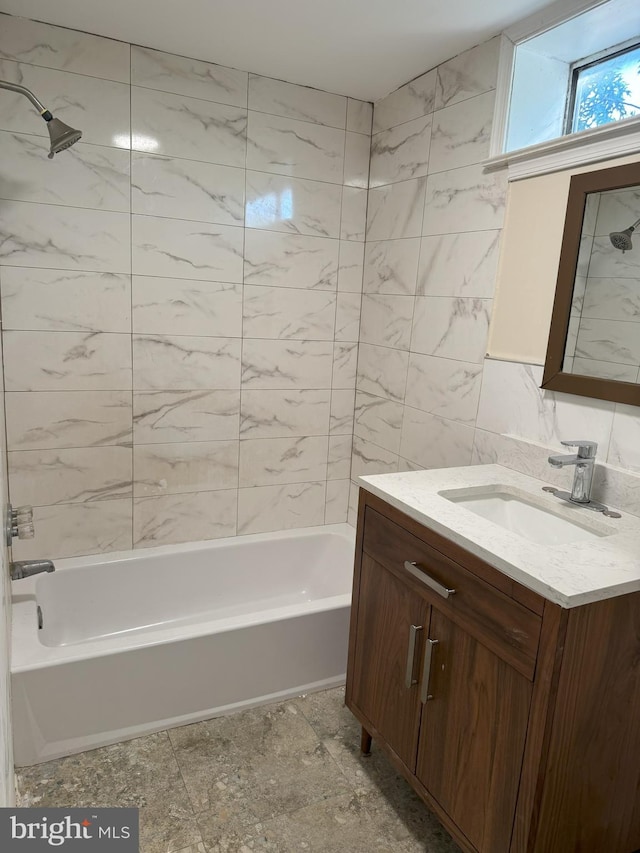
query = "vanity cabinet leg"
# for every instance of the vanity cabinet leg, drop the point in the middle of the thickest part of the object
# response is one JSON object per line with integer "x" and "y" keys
{"x": 365, "y": 742}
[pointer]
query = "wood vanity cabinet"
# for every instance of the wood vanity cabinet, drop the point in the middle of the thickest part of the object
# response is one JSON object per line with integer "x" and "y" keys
{"x": 515, "y": 720}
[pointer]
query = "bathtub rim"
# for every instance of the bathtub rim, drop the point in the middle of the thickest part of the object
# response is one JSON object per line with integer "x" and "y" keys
{"x": 28, "y": 654}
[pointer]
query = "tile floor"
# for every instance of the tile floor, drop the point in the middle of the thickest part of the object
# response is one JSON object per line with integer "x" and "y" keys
{"x": 284, "y": 778}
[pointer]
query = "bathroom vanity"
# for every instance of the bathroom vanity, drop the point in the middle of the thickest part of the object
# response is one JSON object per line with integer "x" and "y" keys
{"x": 500, "y": 675}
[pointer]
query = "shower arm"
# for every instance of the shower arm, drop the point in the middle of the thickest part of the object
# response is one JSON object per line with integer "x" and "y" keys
{"x": 22, "y": 90}
{"x": 635, "y": 225}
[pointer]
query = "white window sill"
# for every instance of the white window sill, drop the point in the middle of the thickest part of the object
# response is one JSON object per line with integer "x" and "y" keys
{"x": 618, "y": 139}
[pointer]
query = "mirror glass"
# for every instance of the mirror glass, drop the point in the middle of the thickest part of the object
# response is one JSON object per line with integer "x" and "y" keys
{"x": 594, "y": 339}
{"x": 603, "y": 337}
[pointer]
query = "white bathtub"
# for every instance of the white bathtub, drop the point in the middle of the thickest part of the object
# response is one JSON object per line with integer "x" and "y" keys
{"x": 140, "y": 641}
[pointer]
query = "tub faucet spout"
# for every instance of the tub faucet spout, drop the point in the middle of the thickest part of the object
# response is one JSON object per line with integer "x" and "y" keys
{"x": 26, "y": 568}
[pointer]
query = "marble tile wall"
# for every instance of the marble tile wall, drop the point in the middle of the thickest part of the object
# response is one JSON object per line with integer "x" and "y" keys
{"x": 431, "y": 254}
{"x": 607, "y": 330}
{"x": 180, "y": 295}
{"x": 7, "y": 786}
{"x": 426, "y": 396}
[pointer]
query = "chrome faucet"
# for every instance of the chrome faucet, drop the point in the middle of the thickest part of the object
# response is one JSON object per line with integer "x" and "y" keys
{"x": 584, "y": 460}
{"x": 25, "y": 568}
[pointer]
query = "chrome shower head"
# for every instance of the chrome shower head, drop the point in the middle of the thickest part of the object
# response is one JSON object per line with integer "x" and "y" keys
{"x": 61, "y": 135}
{"x": 622, "y": 239}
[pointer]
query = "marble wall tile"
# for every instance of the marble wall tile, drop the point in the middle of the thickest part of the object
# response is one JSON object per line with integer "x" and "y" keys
{"x": 265, "y": 508}
{"x": 187, "y": 189}
{"x": 48, "y": 420}
{"x": 345, "y": 361}
{"x": 356, "y": 160}
{"x": 284, "y": 146}
{"x": 603, "y": 369}
{"x": 99, "y": 108}
{"x": 433, "y": 442}
{"x": 624, "y": 450}
{"x": 179, "y": 126}
{"x": 185, "y": 363}
{"x": 282, "y": 365}
{"x": 67, "y": 238}
{"x": 45, "y": 477}
{"x": 410, "y": 101}
{"x": 612, "y": 299}
{"x": 617, "y": 210}
{"x": 353, "y": 221}
{"x": 73, "y": 530}
{"x": 354, "y": 495}
{"x": 609, "y": 340}
{"x": 65, "y": 50}
{"x": 382, "y": 371}
{"x": 378, "y": 420}
{"x": 401, "y": 153}
{"x": 182, "y": 307}
{"x": 290, "y": 260}
{"x": 459, "y": 264}
{"x": 339, "y": 459}
{"x": 369, "y": 458}
{"x": 451, "y": 327}
{"x": 195, "y": 250}
{"x": 289, "y": 100}
{"x": 461, "y": 133}
{"x": 347, "y": 323}
{"x": 66, "y": 361}
{"x": 337, "y": 502}
{"x": 466, "y": 199}
{"x": 351, "y": 266}
{"x": 386, "y": 320}
{"x": 164, "y": 416}
{"x": 164, "y": 469}
{"x": 512, "y": 402}
{"x": 359, "y": 116}
{"x": 54, "y": 300}
{"x": 470, "y": 73}
{"x": 167, "y": 72}
{"x": 396, "y": 210}
{"x": 391, "y": 266}
{"x": 284, "y": 313}
{"x": 87, "y": 176}
{"x": 341, "y": 415}
{"x": 282, "y": 414}
{"x": 171, "y": 519}
{"x": 278, "y": 203}
{"x": 275, "y": 461}
{"x": 607, "y": 262}
{"x": 443, "y": 387}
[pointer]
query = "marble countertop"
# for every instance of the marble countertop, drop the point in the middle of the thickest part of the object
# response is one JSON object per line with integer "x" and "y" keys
{"x": 568, "y": 574}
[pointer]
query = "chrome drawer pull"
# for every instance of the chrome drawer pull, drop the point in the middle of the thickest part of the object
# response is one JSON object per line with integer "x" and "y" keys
{"x": 409, "y": 680}
{"x": 426, "y": 671}
{"x": 413, "y": 569}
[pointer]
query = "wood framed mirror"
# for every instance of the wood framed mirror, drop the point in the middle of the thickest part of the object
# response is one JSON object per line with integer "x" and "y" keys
{"x": 594, "y": 340}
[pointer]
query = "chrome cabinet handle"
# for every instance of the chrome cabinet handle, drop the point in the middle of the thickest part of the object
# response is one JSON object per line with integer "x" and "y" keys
{"x": 413, "y": 569}
{"x": 426, "y": 671}
{"x": 409, "y": 680}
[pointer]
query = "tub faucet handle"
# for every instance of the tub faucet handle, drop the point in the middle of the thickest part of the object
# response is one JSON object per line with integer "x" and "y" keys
{"x": 19, "y": 523}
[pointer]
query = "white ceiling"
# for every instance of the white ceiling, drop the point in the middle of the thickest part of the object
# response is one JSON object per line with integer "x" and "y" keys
{"x": 362, "y": 48}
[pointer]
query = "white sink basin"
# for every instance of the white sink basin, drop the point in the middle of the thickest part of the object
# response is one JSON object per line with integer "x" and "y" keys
{"x": 521, "y": 514}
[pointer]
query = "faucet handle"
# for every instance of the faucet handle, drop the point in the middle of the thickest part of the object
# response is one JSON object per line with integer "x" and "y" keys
{"x": 586, "y": 449}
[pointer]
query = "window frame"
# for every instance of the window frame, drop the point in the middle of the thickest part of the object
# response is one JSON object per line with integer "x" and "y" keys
{"x": 608, "y": 141}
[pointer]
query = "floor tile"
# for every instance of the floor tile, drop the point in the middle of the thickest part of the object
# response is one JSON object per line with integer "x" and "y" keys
{"x": 140, "y": 773}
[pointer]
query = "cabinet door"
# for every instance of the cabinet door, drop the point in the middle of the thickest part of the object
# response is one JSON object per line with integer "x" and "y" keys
{"x": 391, "y": 621}
{"x": 472, "y": 735}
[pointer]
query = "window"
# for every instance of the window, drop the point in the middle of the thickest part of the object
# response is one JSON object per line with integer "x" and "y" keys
{"x": 606, "y": 89}
{"x": 568, "y": 87}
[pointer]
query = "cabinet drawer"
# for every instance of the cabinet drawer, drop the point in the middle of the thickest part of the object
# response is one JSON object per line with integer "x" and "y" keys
{"x": 503, "y": 625}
